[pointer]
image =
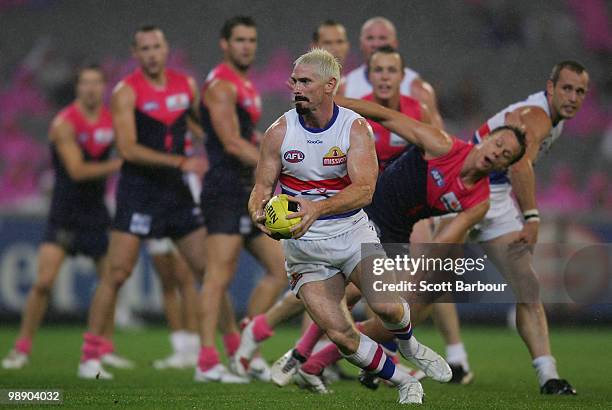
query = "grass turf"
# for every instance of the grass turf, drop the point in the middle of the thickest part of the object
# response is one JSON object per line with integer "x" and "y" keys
{"x": 504, "y": 377}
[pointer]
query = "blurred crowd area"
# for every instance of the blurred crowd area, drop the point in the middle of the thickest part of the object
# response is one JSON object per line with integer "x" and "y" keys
{"x": 479, "y": 55}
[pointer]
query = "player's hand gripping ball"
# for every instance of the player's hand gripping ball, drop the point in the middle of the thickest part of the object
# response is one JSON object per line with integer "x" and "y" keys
{"x": 277, "y": 209}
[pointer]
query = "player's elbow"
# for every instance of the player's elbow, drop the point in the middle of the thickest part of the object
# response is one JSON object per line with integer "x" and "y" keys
{"x": 232, "y": 147}
{"x": 75, "y": 172}
{"x": 126, "y": 153}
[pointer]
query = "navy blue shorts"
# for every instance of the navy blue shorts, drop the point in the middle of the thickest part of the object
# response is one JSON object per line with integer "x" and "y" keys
{"x": 92, "y": 242}
{"x": 150, "y": 211}
{"x": 229, "y": 215}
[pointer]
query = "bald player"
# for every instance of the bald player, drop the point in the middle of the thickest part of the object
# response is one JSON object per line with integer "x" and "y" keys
{"x": 377, "y": 32}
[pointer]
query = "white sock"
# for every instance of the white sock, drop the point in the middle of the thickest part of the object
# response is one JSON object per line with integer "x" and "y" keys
{"x": 546, "y": 368}
{"x": 192, "y": 343}
{"x": 456, "y": 354}
{"x": 177, "y": 340}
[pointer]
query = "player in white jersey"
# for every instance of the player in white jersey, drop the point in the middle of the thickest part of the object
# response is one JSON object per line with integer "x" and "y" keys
{"x": 542, "y": 115}
{"x": 377, "y": 32}
{"x": 325, "y": 155}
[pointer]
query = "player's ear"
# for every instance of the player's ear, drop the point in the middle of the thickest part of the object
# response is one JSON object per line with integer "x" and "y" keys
{"x": 331, "y": 85}
{"x": 223, "y": 44}
{"x": 550, "y": 87}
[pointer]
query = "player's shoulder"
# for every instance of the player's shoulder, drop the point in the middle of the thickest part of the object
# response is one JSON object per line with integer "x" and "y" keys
{"x": 64, "y": 120}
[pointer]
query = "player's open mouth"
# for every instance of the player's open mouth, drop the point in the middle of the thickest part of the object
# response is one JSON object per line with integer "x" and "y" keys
{"x": 488, "y": 163}
{"x": 299, "y": 98}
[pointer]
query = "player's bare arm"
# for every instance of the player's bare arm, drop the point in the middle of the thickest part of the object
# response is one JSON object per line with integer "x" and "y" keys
{"x": 456, "y": 230}
{"x": 537, "y": 125}
{"x": 123, "y": 102}
{"x": 62, "y": 135}
{"x": 220, "y": 99}
{"x": 267, "y": 172}
{"x": 431, "y": 139}
{"x": 424, "y": 92}
{"x": 362, "y": 167}
{"x": 193, "y": 120}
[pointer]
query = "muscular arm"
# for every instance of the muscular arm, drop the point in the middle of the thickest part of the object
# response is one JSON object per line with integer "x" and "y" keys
{"x": 123, "y": 103}
{"x": 432, "y": 140}
{"x": 537, "y": 125}
{"x": 362, "y": 167}
{"x": 62, "y": 135}
{"x": 424, "y": 92}
{"x": 220, "y": 98}
{"x": 267, "y": 172}
{"x": 456, "y": 230}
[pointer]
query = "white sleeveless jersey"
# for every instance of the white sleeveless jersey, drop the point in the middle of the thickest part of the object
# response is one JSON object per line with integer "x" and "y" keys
{"x": 357, "y": 84}
{"x": 534, "y": 100}
{"x": 314, "y": 167}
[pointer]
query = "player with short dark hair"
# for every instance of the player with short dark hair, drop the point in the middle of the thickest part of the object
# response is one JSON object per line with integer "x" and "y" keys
{"x": 81, "y": 138}
{"x": 150, "y": 109}
{"x": 230, "y": 110}
{"x": 543, "y": 116}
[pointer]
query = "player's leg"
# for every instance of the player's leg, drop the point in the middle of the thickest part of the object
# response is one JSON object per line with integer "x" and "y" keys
{"x": 108, "y": 356}
{"x": 444, "y": 314}
{"x": 219, "y": 259}
{"x": 50, "y": 259}
{"x": 531, "y": 319}
{"x": 270, "y": 254}
{"x": 324, "y": 301}
{"x": 394, "y": 313}
{"x": 188, "y": 308}
{"x": 163, "y": 262}
{"x": 122, "y": 254}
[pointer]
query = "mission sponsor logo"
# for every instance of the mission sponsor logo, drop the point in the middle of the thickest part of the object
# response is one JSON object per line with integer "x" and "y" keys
{"x": 294, "y": 156}
{"x": 334, "y": 156}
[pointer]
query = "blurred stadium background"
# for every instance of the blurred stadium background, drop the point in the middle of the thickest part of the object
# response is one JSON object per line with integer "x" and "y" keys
{"x": 479, "y": 55}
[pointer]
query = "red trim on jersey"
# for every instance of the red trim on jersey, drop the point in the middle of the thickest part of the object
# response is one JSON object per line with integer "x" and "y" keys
{"x": 300, "y": 185}
{"x": 164, "y": 104}
{"x": 93, "y": 137}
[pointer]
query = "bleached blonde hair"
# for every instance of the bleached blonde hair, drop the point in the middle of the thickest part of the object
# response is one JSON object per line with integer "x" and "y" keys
{"x": 327, "y": 65}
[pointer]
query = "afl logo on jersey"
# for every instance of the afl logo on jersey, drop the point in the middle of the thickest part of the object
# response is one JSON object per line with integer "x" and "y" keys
{"x": 294, "y": 156}
{"x": 177, "y": 102}
{"x": 150, "y": 106}
{"x": 334, "y": 156}
{"x": 437, "y": 176}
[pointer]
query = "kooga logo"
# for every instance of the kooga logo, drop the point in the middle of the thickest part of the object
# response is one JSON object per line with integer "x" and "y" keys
{"x": 294, "y": 156}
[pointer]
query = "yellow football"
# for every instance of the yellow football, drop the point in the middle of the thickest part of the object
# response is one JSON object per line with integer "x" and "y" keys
{"x": 277, "y": 209}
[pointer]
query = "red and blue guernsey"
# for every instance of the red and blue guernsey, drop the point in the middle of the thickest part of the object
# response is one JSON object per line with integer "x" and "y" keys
{"x": 227, "y": 175}
{"x": 413, "y": 188}
{"x": 390, "y": 146}
{"x": 161, "y": 124}
{"x": 78, "y": 204}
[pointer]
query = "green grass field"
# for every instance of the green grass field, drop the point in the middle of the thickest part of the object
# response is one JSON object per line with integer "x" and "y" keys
{"x": 504, "y": 377}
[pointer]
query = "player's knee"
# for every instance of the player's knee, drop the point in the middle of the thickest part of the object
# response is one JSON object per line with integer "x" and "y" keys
{"x": 117, "y": 276}
{"x": 388, "y": 312}
{"x": 43, "y": 287}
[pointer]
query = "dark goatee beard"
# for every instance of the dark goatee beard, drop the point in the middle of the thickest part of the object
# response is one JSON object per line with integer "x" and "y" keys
{"x": 301, "y": 110}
